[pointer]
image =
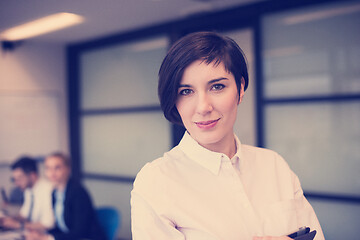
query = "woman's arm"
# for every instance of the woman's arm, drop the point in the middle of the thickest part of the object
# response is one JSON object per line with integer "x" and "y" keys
{"x": 147, "y": 198}
{"x": 148, "y": 225}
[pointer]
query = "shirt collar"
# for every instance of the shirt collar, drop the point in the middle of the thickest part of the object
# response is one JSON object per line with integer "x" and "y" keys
{"x": 60, "y": 193}
{"x": 238, "y": 154}
{"x": 204, "y": 157}
{"x": 36, "y": 185}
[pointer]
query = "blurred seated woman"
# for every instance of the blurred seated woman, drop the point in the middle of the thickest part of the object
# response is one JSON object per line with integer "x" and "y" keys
{"x": 73, "y": 209}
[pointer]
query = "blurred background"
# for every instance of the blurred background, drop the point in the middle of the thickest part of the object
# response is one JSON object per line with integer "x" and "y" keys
{"x": 91, "y": 90}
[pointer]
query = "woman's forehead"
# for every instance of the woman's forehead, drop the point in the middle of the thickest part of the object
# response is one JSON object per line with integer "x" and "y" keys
{"x": 200, "y": 70}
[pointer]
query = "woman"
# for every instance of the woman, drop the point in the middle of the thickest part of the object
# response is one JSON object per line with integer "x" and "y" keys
{"x": 211, "y": 186}
{"x": 72, "y": 206}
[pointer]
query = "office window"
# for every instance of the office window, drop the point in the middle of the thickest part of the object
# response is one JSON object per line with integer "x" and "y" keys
{"x": 320, "y": 141}
{"x": 123, "y": 75}
{"x": 125, "y": 142}
{"x": 312, "y": 52}
{"x": 311, "y": 105}
{"x": 345, "y": 216}
{"x": 121, "y": 124}
{"x": 120, "y": 108}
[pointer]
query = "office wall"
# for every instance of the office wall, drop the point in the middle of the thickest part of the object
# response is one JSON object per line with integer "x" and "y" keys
{"x": 33, "y": 115}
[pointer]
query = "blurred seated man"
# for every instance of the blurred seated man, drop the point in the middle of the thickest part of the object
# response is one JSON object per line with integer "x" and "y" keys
{"x": 36, "y": 211}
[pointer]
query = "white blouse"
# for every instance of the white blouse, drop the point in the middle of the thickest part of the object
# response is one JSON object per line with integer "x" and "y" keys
{"x": 195, "y": 194}
{"x": 38, "y": 204}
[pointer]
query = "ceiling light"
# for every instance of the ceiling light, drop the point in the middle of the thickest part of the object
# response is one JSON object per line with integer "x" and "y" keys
{"x": 41, "y": 26}
{"x": 149, "y": 45}
{"x": 322, "y": 14}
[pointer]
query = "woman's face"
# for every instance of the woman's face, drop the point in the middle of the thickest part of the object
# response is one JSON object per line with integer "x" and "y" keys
{"x": 56, "y": 171}
{"x": 207, "y": 103}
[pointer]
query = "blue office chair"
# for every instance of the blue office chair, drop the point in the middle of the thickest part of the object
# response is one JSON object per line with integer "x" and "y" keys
{"x": 109, "y": 219}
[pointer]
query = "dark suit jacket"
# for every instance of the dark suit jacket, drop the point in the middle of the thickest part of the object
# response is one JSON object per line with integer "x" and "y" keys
{"x": 79, "y": 215}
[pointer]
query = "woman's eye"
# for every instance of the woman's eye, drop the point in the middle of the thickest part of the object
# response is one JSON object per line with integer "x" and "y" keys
{"x": 185, "y": 92}
{"x": 218, "y": 87}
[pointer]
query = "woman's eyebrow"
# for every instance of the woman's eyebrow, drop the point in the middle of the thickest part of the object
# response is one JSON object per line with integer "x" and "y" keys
{"x": 217, "y": 80}
{"x": 210, "y": 82}
{"x": 184, "y": 85}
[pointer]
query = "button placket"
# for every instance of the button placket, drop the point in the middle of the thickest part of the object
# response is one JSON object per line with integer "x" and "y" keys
{"x": 242, "y": 204}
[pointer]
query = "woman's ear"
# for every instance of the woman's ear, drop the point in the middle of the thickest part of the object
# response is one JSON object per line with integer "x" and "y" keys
{"x": 242, "y": 92}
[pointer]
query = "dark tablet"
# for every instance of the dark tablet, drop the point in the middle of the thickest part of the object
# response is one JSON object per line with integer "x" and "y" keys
{"x": 303, "y": 234}
{"x": 307, "y": 236}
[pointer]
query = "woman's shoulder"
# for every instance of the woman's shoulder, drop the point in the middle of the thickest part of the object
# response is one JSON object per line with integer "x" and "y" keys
{"x": 258, "y": 150}
{"x": 267, "y": 161}
{"x": 263, "y": 155}
{"x": 157, "y": 169}
{"x": 75, "y": 188}
{"x": 166, "y": 160}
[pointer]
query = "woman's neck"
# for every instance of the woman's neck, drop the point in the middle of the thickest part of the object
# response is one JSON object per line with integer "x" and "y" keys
{"x": 61, "y": 186}
{"x": 226, "y": 146}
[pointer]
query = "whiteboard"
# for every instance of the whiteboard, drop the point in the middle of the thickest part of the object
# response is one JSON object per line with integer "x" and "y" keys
{"x": 29, "y": 124}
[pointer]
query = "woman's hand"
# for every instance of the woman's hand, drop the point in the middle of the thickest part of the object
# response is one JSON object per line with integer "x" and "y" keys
{"x": 36, "y": 235}
{"x": 272, "y": 238}
{"x": 35, "y": 227}
{"x": 9, "y": 222}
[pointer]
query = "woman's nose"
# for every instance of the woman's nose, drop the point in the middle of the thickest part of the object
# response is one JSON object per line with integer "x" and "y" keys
{"x": 204, "y": 104}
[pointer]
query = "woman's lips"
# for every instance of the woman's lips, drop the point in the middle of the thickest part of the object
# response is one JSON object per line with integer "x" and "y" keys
{"x": 207, "y": 124}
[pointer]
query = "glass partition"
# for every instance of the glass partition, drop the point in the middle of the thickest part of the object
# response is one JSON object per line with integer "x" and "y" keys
{"x": 312, "y": 51}
{"x": 121, "y": 144}
{"x": 320, "y": 142}
{"x": 311, "y": 106}
{"x": 123, "y": 75}
{"x": 121, "y": 124}
{"x": 122, "y": 79}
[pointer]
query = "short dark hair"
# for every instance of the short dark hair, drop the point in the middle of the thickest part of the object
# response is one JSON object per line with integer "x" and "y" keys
{"x": 209, "y": 47}
{"x": 27, "y": 164}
